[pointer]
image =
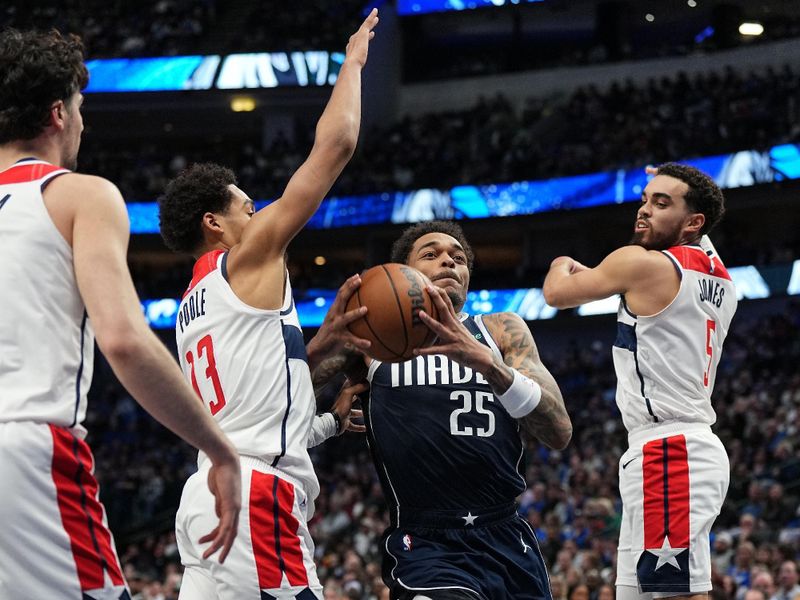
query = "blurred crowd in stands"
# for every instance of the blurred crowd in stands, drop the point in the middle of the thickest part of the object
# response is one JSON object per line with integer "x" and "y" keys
{"x": 571, "y": 500}
{"x": 591, "y": 130}
{"x": 114, "y": 28}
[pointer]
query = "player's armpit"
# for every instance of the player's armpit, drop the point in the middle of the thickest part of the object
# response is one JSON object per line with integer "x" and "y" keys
{"x": 549, "y": 422}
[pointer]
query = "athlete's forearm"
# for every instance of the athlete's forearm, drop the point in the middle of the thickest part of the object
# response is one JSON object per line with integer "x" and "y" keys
{"x": 549, "y": 422}
{"x": 341, "y": 120}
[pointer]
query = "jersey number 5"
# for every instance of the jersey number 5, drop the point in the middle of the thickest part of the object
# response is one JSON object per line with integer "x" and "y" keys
{"x": 711, "y": 328}
{"x": 205, "y": 347}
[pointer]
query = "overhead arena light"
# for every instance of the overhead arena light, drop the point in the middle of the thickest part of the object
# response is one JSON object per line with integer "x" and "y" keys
{"x": 751, "y": 28}
{"x": 243, "y": 104}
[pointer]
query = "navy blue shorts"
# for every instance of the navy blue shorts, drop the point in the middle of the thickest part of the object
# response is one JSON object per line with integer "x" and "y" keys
{"x": 447, "y": 555}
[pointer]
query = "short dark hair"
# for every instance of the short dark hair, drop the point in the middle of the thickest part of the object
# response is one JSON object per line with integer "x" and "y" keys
{"x": 704, "y": 196}
{"x": 36, "y": 69}
{"x": 198, "y": 189}
{"x": 401, "y": 249}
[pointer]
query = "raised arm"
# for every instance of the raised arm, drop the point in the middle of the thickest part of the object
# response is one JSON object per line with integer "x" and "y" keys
{"x": 272, "y": 228}
{"x": 548, "y": 420}
{"x": 99, "y": 237}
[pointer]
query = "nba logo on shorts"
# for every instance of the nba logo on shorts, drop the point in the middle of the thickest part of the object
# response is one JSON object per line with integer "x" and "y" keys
{"x": 406, "y": 543}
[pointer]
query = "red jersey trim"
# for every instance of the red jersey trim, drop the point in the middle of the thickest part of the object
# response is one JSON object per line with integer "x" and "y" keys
{"x": 27, "y": 173}
{"x": 204, "y": 265}
{"x": 696, "y": 259}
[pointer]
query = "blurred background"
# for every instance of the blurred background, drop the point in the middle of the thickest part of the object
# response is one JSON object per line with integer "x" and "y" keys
{"x": 531, "y": 124}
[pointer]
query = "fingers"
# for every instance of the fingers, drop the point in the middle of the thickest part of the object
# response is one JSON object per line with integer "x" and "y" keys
{"x": 355, "y": 428}
{"x": 437, "y": 327}
{"x": 371, "y": 21}
{"x": 222, "y": 536}
{"x": 346, "y": 290}
{"x": 354, "y": 315}
{"x": 352, "y": 390}
{"x": 442, "y": 301}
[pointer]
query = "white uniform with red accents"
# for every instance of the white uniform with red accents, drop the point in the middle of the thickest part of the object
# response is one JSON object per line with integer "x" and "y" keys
{"x": 54, "y": 542}
{"x": 675, "y": 474}
{"x": 46, "y": 342}
{"x": 667, "y": 363}
{"x": 250, "y": 369}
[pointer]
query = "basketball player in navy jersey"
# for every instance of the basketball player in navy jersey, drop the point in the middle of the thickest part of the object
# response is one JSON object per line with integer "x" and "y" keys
{"x": 677, "y": 303}
{"x": 447, "y": 432}
{"x": 64, "y": 277}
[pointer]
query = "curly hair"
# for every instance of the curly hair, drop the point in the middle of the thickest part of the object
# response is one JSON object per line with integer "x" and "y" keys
{"x": 401, "y": 249}
{"x": 704, "y": 196}
{"x": 36, "y": 69}
{"x": 198, "y": 189}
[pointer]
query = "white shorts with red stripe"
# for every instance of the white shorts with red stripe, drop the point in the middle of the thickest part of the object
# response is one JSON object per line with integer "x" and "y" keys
{"x": 273, "y": 555}
{"x": 54, "y": 539}
{"x": 673, "y": 480}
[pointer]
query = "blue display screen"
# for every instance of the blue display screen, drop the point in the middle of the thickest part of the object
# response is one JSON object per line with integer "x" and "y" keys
{"x": 232, "y": 72}
{"x": 313, "y": 304}
{"x": 419, "y": 7}
{"x": 740, "y": 169}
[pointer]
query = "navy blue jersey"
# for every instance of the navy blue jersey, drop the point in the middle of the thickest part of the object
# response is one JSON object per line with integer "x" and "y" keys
{"x": 439, "y": 437}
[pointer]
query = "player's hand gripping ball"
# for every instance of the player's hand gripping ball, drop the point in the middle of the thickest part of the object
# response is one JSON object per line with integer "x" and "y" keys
{"x": 394, "y": 295}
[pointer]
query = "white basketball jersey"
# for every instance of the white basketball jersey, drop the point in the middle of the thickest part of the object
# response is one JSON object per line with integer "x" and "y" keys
{"x": 46, "y": 341}
{"x": 250, "y": 368}
{"x": 666, "y": 364}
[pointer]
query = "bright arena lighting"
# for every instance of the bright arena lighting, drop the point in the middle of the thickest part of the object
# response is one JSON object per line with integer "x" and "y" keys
{"x": 649, "y": 18}
{"x": 243, "y": 104}
{"x": 751, "y": 28}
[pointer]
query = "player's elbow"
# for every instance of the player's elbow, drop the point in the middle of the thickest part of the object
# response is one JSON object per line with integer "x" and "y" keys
{"x": 554, "y": 296}
{"x": 120, "y": 345}
{"x": 561, "y": 437}
{"x": 340, "y": 141}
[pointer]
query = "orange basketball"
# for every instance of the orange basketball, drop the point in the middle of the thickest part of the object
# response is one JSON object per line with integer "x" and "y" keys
{"x": 394, "y": 295}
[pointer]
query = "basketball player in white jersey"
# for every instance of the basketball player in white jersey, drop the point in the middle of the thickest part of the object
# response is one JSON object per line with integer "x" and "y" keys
{"x": 241, "y": 346}
{"x": 64, "y": 278}
{"x": 677, "y": 303}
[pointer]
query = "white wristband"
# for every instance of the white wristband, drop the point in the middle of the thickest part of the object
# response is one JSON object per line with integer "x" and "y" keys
{"x": 522, "y": 397}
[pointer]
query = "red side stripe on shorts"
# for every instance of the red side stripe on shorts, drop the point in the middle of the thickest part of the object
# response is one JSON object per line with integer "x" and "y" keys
{"x": 665, "y": 481}
{"x": 25, "y": 173}
{"x": 81, "y": 512}
{"x": 273, "y": 530}
{"x": 262, "y": 530}
{"x": 290, "y": 543}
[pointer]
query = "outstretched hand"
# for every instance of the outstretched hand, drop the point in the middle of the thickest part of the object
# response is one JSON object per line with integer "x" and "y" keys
{"x": 333, "y": 335}
{"x": 343, "y": 406}
{"x": 225, "y": 482}
{"x": 453, "y": 339}
{"x": 358, "y": 46}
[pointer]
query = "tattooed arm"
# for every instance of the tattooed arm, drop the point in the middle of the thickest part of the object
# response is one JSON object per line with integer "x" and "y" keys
{"x": 351, "y": 363}
{"x": 549, "y": 422}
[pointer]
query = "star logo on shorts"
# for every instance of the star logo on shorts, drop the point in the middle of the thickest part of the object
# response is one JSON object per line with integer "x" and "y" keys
{"x": 666, "y": 555}
{"x": 470, "y": 519}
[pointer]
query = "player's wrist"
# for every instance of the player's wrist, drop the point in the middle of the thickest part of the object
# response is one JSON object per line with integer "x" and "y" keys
{"x": 522, "y": 397}
{"x": 339, "y": 422}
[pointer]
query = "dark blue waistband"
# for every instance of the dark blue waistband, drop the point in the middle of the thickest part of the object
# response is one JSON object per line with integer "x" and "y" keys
{"x": 456, "y": 519}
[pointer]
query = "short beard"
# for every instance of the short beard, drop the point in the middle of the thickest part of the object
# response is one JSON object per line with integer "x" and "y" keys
{"x": 456, "y": 298}
{"x": 658, "y": 242}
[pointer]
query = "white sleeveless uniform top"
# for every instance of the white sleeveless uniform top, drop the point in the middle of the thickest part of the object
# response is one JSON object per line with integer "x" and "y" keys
{"x": 46, "y": 340}
{"x": 250, "y": 368}
{"x": 666, "y": 363}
